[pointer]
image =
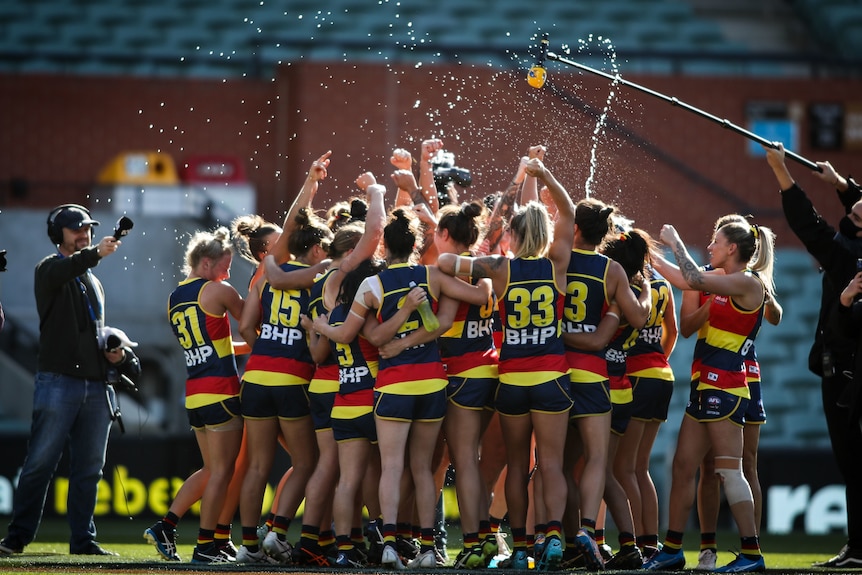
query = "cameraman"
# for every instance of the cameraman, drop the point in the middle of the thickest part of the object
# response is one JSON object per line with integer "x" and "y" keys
{"x": 832, "y": 353}
{"x": 72, "y": 401}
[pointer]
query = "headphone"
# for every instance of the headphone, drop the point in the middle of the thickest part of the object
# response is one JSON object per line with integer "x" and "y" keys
{"x": 55, "y": 232}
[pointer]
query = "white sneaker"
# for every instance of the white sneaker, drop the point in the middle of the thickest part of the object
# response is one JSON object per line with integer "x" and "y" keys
{"x": 706, "y": 560}
{"x": 426, "y": 560}
{"x": 280, "y": 551}
{"x": 262, "y": 531}
{"x": 391, "y": 559}
{"x": 246, "y": 556}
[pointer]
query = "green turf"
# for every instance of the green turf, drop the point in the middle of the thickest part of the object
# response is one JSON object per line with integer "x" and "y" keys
{"x": 791, "y": 553}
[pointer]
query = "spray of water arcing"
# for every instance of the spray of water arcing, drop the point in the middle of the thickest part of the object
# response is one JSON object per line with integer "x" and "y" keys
{"x": 600, "y": 123}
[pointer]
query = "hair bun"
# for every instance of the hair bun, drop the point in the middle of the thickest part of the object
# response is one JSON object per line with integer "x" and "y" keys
{"x": 473, "y": 209}
{"x": 302, "y": 218}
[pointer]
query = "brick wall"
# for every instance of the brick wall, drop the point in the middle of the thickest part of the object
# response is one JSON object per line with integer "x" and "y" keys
{"x": 658, "y": 163}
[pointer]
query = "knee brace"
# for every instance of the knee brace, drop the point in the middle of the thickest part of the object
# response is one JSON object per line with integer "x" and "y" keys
{"x": 736, "y": 487}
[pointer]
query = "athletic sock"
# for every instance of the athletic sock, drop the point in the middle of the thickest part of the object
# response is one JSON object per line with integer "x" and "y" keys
{"x": 250, "y": 540}
{"x": 672, "y": 542}
{"x": 750, "y": 547}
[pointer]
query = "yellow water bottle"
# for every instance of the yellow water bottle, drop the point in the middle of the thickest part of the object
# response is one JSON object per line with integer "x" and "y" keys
{"x": 429, "y": 320}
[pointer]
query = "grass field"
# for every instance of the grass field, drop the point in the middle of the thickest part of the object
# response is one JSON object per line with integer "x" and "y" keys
{"x": 50, "y": 553}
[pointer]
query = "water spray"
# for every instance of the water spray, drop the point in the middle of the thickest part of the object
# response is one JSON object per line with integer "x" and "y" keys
{"x": 616, "y": 78}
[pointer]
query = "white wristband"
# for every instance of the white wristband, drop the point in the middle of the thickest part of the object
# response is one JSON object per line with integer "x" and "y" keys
{"x": 612, "y": 314}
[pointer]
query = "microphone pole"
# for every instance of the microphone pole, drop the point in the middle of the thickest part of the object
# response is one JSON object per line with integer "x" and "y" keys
{"x": 537, "y": 75}
{"x": 672, "y": 101}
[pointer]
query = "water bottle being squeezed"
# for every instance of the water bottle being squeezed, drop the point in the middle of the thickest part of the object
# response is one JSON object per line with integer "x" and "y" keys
{"x": 429, "y": 320}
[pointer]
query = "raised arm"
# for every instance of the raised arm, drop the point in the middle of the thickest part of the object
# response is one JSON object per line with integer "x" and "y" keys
{"x": 316, "y": 174}
{"x": 428, "y": 252}
{"x": 829, "y": 175}
{"x": 426, "y": 175}
{"x": 504, "y": 210}
{"x": 249, "y": 321}
{"x": 560, "y": 249}
{"x": 775, "y": 159}
{"x": 736, "y": 284}
{"x": 530, "y": 189}
{"x": 375, "y": 220}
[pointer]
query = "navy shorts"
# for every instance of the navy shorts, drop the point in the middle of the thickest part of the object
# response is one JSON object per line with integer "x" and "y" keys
{"x": 621, "y": 414}
{"x": 215, "y": 415}
{"x": 714, "y": 405}
{"x": 321, "y": 409}
{"x": 428, "y": 407}
{"x": 475, "y": 393}
{"x": 756, "y": 412}
{"x": 651, "y": 398}
{"x": 548, "y": 397}
{"x": 356, "y": 428}
{"x": 590, "y": 398}
{"x": 271, "y": 401}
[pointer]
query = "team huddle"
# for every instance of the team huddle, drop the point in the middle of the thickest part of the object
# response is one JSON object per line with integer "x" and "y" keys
{"x": 523, "y": 339}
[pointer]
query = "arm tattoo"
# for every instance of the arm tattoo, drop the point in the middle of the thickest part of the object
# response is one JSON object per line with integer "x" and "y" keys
{"x": 690, "y": 271}
{"x": 486, "y": 267}
{"x": 503, "y": 212}
{"x": 419, "y": 198}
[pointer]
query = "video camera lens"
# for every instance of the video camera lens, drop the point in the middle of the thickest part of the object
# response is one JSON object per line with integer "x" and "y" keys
{"x": 112, "y": 342}
{"x": 446, "y": 171}
{"x": 122, "y": 228}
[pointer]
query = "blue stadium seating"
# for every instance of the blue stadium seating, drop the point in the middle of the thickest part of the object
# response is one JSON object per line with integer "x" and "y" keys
{"x": 836, "y": 22}
{"x": 69, "y": 32}
{"x": 135, "y": 29}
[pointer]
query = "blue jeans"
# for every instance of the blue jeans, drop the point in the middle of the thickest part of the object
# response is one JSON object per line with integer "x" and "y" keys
{"x": 64, "y": 409}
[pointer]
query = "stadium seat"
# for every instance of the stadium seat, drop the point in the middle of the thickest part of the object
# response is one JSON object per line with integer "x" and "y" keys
{"x": 137, "y": 39}
{"x": 671, "y": 12}
{"x": 11, "y": 12}
{"x": 32, "y": 35}
{"x": 55, "y": 13}
{"x": 162, "y": 15}
{"x": 794, "y": 261}
{"x": 365, "y": 29}
{"x": 701, "y": 33}
{"x": 108, "y": 14}
{"x": 83, "y": 36}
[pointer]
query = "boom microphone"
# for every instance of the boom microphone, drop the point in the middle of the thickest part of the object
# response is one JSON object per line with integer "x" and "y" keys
{"x": 537, "y": 75}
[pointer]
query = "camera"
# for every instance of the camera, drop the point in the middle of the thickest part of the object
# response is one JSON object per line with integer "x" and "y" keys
{"x": 2, "y": 260}
{"x": 122, "y": 228}
{"x": 445, "y": 171}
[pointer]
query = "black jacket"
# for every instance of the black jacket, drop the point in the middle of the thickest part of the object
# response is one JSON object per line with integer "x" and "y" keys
{"x": 838, "y": 265}
{"x": 67, "y": 332}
